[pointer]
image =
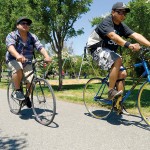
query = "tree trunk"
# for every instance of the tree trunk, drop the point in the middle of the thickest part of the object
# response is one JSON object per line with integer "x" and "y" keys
{"x": 1, "y": 64}
{"x": 60, "y": 69}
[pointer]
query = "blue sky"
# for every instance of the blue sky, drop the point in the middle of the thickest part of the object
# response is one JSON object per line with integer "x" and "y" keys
{"x": 98, "y": 8}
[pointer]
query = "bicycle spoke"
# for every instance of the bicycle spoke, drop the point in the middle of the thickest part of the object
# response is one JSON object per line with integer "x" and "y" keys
{"x": 44, "y": 106}
{"x": 14, "y": 104}
{"x": 95, "y": 98}
{"x": 144, "y": 102}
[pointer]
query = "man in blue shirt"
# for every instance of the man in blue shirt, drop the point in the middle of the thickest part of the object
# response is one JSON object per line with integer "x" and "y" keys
{"x": 20, "y": 45}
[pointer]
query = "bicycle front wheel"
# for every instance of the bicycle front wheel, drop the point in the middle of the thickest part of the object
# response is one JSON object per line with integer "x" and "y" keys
{"x": 144, "y": 102}
{"x": 14, "y": 105}
{"x": 43, "y": 101}
{"x": 95, "y": 96}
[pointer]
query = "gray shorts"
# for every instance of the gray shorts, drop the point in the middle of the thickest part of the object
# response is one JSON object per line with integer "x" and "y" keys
{"x": 104, "y": 57}
{"x": 14, "y": 66}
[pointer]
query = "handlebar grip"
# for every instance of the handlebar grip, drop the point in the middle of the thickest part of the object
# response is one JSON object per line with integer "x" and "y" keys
{"x": 143, "y": 51}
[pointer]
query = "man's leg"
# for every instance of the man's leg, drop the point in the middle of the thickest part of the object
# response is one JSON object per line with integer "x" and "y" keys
{"x": 120, "y": 86}
{"x": 16, "y": 68}
{"x": 17, "y": 77}
{"x": 121, "y": 80}
{"x": 107, "y": 59}
{"x": 114, "y": 73}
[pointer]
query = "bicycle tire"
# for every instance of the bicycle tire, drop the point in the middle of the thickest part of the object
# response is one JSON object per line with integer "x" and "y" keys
{"x": 43, "y": 101}
{"x": 144, "y": 102}
{"x": 14, "y": 105}
{"x": 97, "y": 108}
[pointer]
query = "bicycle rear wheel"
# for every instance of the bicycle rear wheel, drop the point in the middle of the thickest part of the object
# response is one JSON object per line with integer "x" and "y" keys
{"x": 43, "y": 101}
{"x": 144, "y": 102}
{"x": 95, "y": 96}
{"x": 14, "y": 105}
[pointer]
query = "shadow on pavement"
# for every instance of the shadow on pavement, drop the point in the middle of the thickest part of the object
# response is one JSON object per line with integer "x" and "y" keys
{"x": 13, "y": 143}
{"x": 53, "y": 125}
{"x": 26, "y": 114}
{"x": 115, "y": 119}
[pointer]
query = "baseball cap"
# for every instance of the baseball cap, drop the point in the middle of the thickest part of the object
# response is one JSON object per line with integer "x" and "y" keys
{"x": 121, "y": 5}
{"x": 24, "y": 19}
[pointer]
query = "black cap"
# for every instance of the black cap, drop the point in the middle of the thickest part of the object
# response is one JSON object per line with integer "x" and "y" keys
{"x": 24, "y": 19}
{"x": 121, "y": 5}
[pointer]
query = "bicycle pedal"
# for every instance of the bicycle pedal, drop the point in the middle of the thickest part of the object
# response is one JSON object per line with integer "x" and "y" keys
{"x": 115, "y": 109}
{"x": 119, "y": 112}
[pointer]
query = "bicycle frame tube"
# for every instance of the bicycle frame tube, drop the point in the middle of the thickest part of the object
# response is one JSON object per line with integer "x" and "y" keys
{"x": 28, "y": 90}
{"x": 103, "y": 81}
{"x": 32, "y": 72}
{"x": 102, "y": 87}
{"x": 146, "y": 72}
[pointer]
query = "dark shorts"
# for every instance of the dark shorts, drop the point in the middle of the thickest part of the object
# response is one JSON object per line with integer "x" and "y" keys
{"x": 104, "y": 57}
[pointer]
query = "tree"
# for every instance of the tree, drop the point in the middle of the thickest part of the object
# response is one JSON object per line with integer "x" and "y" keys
{"x": 53, "y": 20}
{"x": 96, "y": 20}
{"x": 59, "y": 17}
{"x": 138, "y": 17}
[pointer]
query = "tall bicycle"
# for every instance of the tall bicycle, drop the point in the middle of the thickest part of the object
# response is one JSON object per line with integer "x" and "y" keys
{"x": 95, "y": 93}
{"x": 42, "y": 97}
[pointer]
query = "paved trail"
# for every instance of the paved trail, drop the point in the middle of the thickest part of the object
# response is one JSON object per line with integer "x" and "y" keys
{"x": 72, "y": 129}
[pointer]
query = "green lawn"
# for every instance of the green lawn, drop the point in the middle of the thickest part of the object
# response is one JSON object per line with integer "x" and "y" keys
{"x": 74, "y": 93}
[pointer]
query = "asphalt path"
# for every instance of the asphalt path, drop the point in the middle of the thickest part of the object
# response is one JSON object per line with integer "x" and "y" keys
{"x": 72, "y": 129}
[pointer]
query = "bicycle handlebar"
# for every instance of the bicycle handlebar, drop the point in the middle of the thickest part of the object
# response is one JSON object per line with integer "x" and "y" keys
{"x": 143, "y": 51}
{"x": 37, "y": 60}
{"x": 34, "y": 61}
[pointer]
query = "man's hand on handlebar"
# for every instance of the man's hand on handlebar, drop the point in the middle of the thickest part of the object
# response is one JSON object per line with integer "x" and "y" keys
{"x": 135, "y": 47}
{"x": 47, "y": 60}
{"x": 21, "y": 59}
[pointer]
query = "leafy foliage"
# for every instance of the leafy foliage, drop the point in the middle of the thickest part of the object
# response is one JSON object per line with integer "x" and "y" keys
{"x": 138, "y": 17}
{"x": 53, "y": 20}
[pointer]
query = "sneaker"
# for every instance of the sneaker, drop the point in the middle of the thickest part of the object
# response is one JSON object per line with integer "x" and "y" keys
{"x": 19, "y": 96}
{"x": 28, "y": 102}
{"x": 114, "y": 93}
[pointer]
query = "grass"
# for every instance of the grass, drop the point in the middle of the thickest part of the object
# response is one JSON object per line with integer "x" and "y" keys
{"x": 74, "y": 93}
{"x": 3, "y": 83}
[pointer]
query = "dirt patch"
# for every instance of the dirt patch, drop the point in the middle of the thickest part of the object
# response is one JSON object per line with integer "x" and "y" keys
{"x": 69, "y": 81}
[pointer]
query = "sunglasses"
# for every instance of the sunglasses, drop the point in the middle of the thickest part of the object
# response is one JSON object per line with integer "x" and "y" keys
{"x": 25, "y": 23}
{"x": 121, "y": 12}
